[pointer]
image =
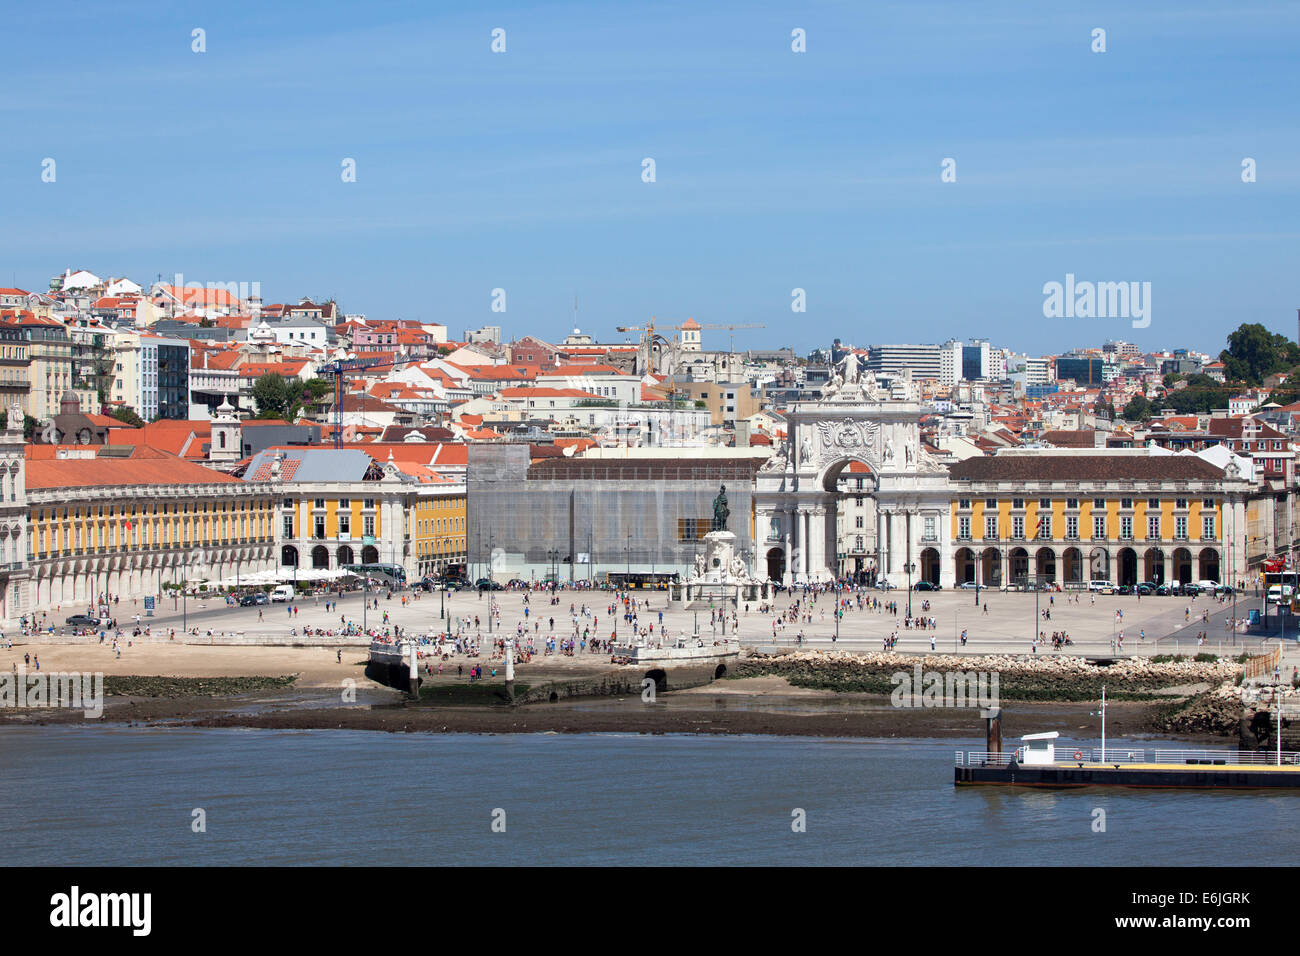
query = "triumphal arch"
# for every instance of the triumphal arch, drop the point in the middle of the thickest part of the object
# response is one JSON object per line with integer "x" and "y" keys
{"x": 800, "y": 492}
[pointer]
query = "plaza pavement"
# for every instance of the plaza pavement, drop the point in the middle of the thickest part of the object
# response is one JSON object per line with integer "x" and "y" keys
{"x": 1007, "y": 627}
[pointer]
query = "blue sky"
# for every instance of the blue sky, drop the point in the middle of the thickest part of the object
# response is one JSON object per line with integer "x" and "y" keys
{"x": 775, "y": 170}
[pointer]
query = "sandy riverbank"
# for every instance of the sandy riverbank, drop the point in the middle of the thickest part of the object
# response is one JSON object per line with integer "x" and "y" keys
{"x": 316, "y": 700}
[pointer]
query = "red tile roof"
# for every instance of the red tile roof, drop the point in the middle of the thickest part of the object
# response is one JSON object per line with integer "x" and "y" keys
{"x": 145, "y": 466}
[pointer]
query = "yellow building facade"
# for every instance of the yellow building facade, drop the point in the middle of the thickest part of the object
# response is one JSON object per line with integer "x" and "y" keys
{"x": 1123, "y": 519}
{"x": 124, "y": 521}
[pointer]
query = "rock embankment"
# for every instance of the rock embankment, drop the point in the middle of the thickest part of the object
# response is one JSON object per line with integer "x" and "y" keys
{"x": 1020, "y": 677}
{"x": 134, "y": 686}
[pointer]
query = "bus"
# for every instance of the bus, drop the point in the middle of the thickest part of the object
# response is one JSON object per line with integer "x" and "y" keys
{"x": 393, "y": 575}
{"x": 623, "y": 580}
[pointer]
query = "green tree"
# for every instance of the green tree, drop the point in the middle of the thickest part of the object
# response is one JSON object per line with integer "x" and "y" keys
{"x": 316, "y": 389}
{"x": 1171, "y": 378}
{"x": 1196, "y": 401}
{"x": 1254, "y": 352}
{"x": 127, "y": 415}
{"x": 274, "y": 396}
{"x": 1137, "y": 410}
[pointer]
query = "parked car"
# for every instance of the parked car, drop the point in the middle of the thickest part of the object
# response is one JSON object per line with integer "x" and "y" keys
{"x": 487, "y": 584}
{"x": 252, "y": 600}
{"x": 1146, "y": 587}
{"x": 1166, "y": 589}
{"x": 517, "y": 584}
{"x": 1101, "y": 587}
{"x": 282, "y": 593}
{"x": 969, "y": 586}
{"x": 1190, "y": 589}
{"x": 926, "y": 586}
{"x": 1126, "y": 589}
{"x": 82, "y": 620}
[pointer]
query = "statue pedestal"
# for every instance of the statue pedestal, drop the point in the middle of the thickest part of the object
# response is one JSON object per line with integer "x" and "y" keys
{"x": 718, "y": 585}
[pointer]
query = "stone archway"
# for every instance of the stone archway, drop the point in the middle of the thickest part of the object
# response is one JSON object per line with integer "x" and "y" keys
{"x": 776, "y": 564}
{"x": 964, "y": 566}
{"x": 1073, "y": 564}
{"x": 1128, "y": 567}
{"x": 1019, "y": 561}
{"x": 1045, "y": 563}
{"x": 991, "y": 568}
{"x": 1153, "y": 566}
{"x": 930, "y": 570}
{"x": 1208, "y": 561}
{"x": 1182, "y": 566}
{"x": 1099, "y": 565}
{"x": 855, "y": 453}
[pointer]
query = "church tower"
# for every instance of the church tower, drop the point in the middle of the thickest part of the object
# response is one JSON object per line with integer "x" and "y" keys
{"x": 225, "y": 445}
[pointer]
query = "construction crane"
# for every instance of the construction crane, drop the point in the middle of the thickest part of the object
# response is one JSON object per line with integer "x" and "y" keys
{"x": 339, "y": 369}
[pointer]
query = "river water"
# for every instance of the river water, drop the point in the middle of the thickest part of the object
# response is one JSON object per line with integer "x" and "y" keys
{"x": 125, "y": 796}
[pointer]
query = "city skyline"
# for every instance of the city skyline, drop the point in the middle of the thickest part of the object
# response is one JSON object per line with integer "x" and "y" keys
{"x": 774, "y": 170}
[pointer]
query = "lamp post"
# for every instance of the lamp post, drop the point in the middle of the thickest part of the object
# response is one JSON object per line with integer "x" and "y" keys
{"x": 910, "y": 566}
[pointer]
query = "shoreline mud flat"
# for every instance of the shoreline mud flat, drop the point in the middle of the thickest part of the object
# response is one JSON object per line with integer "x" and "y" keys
{"x": 764, "y": 706}
{"x": 798, "y": 693}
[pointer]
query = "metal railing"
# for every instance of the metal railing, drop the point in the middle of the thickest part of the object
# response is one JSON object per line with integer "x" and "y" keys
{"x": 1219, "y": 757}
{"x": 979, "y": 758}
{"x": 1094, "y": 755}
{"x": 1122, "y": 755}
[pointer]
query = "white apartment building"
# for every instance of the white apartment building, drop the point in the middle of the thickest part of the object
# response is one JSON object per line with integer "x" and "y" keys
{"x": 925, "y": 361}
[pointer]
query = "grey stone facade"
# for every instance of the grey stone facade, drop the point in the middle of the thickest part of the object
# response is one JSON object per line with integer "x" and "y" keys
{"x": 613, "y": 515}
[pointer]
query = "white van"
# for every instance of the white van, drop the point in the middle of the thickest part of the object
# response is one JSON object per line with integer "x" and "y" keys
{"x": 282, "y": 593}
{"x": 1101, "y": 587}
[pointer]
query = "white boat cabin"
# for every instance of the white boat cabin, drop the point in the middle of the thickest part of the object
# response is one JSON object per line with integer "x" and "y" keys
{"x": 1038, "y": 749}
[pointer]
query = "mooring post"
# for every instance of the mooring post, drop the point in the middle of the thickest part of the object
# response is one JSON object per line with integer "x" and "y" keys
{"x": 510, "y": 669}
{"x": 993, "y": 730}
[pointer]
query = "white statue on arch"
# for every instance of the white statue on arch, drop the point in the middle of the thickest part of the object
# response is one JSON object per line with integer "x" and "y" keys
{"x": 852, "y": 369}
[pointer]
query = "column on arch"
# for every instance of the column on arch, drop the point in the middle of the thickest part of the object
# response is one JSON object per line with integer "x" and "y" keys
{"x": 787, "y": 531}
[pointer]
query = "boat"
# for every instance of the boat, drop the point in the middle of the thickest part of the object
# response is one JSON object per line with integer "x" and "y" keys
{"x": 1043, "y": 761}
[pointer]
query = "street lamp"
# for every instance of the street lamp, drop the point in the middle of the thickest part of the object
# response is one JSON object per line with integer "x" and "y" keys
{"x": 909, "y": 567}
